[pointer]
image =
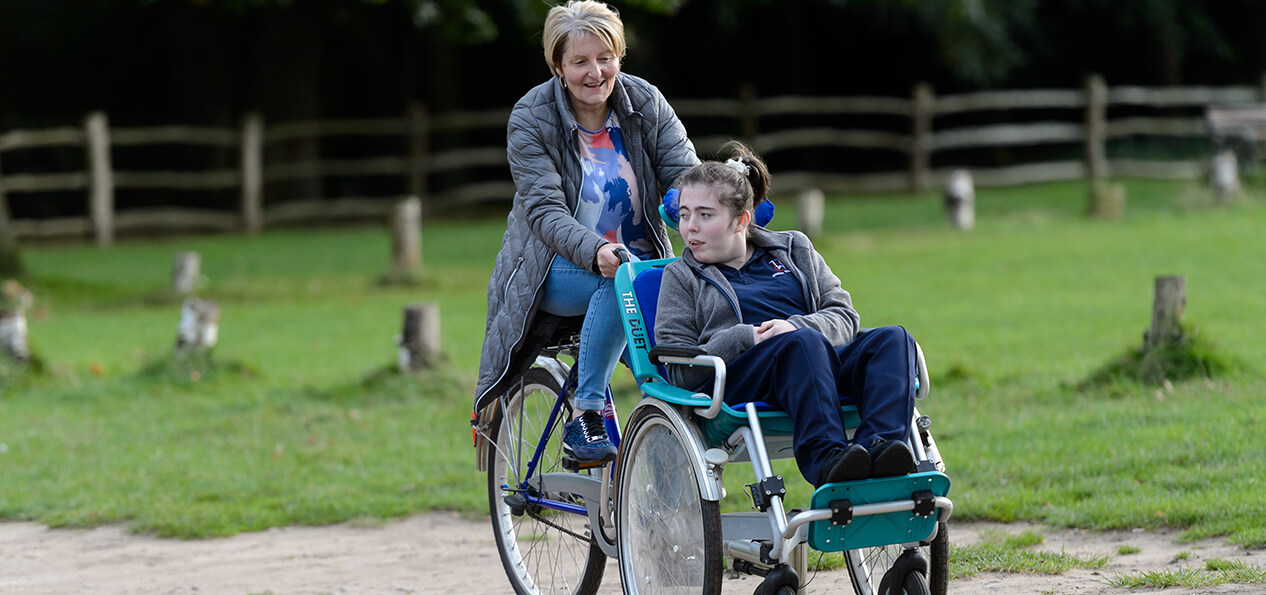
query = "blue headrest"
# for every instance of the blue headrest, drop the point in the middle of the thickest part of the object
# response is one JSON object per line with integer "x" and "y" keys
{"x": 668, "y": 210}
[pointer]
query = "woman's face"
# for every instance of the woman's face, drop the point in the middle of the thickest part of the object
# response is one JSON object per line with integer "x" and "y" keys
{"x": 589, "y": 68}
{"x": 713, "y": 235}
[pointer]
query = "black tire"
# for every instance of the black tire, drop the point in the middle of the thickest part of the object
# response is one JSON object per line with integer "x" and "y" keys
{"x": 915, "y": 584}
{"x": 669, "y": 537}
{"x": 542, "y": 550}
{"x": 938, "y": 561}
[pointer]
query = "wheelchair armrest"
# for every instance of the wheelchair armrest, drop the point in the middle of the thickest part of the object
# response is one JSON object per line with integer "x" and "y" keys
{"x": 925, "y": 383}
{"x": 676, "y": 351}
{"x": 695, "y": 356}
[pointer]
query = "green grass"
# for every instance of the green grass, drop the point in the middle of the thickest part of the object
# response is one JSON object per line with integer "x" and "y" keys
{"x": 299, "y": 421}
{"x": 1216, "y": 572}
{"x": 1014, "y": 554}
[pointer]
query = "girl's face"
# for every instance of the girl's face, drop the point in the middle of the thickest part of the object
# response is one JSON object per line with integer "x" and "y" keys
{"x": 589, "y": 68}
{"x": 713, "y": 235}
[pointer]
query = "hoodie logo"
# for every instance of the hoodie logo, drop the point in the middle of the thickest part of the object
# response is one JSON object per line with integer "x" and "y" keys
{"x": 779, "y": 267}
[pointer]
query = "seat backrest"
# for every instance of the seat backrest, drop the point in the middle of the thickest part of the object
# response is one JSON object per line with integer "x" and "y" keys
{"x": 637, "y": 290}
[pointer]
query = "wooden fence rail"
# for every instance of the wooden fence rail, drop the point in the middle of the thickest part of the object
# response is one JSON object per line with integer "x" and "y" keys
{"x": 1088, "y": 125}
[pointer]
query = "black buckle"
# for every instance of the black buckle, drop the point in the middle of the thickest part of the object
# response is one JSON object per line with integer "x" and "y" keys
{"x": 763, "y": 492}
{"x": 841, "y": 512}
{"x": 924, "y": 503}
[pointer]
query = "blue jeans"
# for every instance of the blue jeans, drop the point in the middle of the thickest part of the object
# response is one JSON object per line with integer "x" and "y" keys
{"x": 572, "y": 291}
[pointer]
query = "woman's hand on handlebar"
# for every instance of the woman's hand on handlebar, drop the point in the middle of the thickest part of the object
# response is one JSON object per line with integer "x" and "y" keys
{"x": 609, "y": 258}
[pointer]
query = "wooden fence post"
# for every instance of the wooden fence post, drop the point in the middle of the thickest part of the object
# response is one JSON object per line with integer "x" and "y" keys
{"x": 921, "y": 136}
{"x": 1167, "y": 309}
{"x": 1224, "y": 175}
{"x": 420, "y": 340}
{"x": 960, "y": 199}
{"x": 419, "y": 147}
{"x": 749, "y": 116}
{"x": 253, "y": 172}
{"x": 101, "y": 177}
{"x": 811, "y": 207}
{"x": 406, "y": 239}
{"x": 1096, "y": 127}
{"x": 14, "y": 300}
{"x": 10, "y": 258}
{"x": 185, "y": 270}
{"x": 1106, "y": 200}
{"x": 199, "y": 327}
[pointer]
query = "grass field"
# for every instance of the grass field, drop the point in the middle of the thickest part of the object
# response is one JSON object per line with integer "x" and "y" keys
{"x": 300, "y": 420}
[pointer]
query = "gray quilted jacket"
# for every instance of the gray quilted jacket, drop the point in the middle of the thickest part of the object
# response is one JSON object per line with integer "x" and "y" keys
{"x": 698, "y": 306}
{"x": 541, "y": 147}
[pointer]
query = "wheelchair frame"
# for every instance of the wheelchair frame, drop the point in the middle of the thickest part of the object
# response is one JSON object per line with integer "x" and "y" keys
{"x": 710, "y": 435}
{"x": 851, "y": 516}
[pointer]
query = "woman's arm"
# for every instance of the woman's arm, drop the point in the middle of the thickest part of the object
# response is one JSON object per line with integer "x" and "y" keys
{"x": 539, "y": 191}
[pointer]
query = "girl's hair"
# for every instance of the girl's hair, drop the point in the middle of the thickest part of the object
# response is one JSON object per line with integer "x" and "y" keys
{"x": 570, "y": 21}
{"x": 736, "y": 191}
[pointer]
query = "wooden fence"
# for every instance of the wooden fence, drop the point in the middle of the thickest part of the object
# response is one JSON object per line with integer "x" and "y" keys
{"x": 1090, "y": 128}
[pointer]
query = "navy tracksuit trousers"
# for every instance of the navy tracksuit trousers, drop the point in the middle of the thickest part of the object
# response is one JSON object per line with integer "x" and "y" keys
{"x": 801, "y": 373}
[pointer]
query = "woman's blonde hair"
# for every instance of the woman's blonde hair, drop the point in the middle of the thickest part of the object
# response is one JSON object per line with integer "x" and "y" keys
{"x": 572, "y": 20}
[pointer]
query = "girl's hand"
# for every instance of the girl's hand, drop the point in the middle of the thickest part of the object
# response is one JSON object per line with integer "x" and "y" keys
{"x": 772, "y": 328}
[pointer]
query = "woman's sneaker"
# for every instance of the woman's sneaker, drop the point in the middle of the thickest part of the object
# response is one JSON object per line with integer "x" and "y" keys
{"x": 585, "y": 439}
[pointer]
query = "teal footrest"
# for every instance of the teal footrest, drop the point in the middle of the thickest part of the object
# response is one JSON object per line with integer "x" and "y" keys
{"x": 876, "y": 529}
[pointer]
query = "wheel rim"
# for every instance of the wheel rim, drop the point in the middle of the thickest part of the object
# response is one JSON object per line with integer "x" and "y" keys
{"x": 544, "y": 550}
{"x": 661, "y": 537}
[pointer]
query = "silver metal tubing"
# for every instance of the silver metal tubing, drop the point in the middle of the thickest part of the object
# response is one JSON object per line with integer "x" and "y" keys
{"x": 941, "y": 503}
{"x": 743, "y": 550}
{"x": 755, "y": 439}
{"x": 916, "y": 438}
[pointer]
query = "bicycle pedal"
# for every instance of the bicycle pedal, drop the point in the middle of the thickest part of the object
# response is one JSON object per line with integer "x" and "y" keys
{"x": 572, "y": 464}
{"x": 517, "y": 503}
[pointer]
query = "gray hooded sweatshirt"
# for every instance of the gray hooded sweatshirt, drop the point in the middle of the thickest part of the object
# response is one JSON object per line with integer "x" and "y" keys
{"x": 698, "y": 306}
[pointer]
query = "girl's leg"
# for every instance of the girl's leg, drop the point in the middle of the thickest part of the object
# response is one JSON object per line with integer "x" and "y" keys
{"x": 878, "y": 371}
{"x": 793, "y": 371}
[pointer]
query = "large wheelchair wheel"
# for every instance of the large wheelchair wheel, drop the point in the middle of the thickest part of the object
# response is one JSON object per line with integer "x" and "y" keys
{"x": 669, "y": 538}
{"x": 543, "y": 550}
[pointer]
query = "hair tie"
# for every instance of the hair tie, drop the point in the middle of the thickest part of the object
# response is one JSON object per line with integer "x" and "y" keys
{"x": 737, "y": 165}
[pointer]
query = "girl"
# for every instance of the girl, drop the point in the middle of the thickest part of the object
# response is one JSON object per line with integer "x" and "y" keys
{"x": 768, "y": 304}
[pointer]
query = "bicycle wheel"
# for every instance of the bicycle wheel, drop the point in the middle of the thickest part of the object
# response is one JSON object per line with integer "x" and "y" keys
{"x": 669, "y": 538}
{"x": 543, "y": 550}
{"x": 867, "y": 566}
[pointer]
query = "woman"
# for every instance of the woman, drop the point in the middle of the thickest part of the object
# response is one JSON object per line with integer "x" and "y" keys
{"x": 589, "y": 151}
{"x": 768, "y": 304}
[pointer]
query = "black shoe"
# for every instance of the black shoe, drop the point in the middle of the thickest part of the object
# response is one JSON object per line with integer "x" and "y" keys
{"x": 889, "y": 458}
{"x": 585, "y": 439}
{"x": 845, "y": 464}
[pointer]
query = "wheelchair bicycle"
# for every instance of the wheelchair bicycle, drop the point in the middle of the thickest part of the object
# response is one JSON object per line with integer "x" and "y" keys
{"x": 656, "y": 508}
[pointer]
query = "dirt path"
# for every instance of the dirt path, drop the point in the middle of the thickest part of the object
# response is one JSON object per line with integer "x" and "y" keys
{"x": 443, "y": 553}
